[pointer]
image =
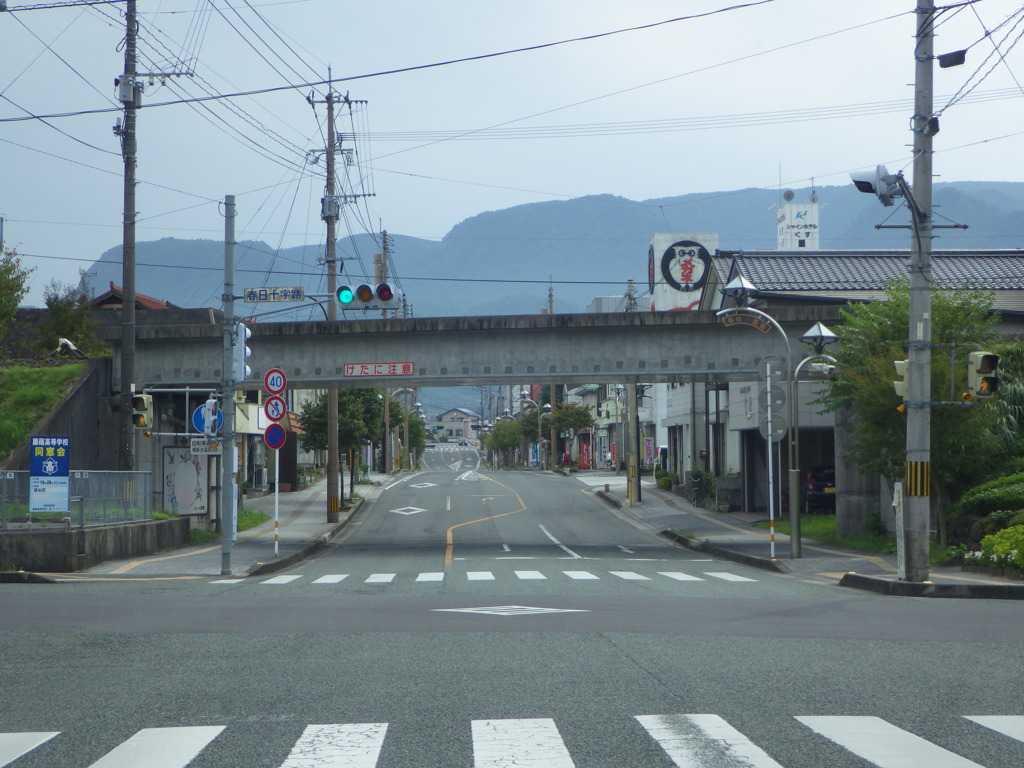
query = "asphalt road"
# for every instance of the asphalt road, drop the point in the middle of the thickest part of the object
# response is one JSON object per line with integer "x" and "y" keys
{"x": 469, "y": 618}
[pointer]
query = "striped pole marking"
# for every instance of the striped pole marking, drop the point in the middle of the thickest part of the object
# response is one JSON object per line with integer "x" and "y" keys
{"x": 704, "y": 741}
{"x": 160, "y": 748}
{"x": 883, "y": 744}
{"x": 347, "y": 745}
{"x": 917, "y": 478}
{"x": 530, "y": 743}
{"x": 14, "y": 745}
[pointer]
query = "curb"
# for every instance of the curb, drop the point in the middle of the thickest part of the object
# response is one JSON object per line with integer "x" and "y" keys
{"x": 264, "y": 569}
{"x": 925, "y": 589}
{"x": 24, "y": 577}
{"x": 701, "y": 545}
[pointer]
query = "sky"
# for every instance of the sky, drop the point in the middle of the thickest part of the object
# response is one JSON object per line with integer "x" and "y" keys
{"x": 740, "y": 94}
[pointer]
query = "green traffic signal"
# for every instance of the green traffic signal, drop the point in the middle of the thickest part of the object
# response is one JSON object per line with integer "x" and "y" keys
{"x": 345, "y": 295}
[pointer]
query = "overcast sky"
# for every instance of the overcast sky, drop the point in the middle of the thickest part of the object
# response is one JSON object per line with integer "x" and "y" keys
{"x": 755, "y": 95}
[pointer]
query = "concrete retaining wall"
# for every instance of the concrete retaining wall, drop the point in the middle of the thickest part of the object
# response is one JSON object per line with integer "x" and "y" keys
{"x": 52, "y": 550}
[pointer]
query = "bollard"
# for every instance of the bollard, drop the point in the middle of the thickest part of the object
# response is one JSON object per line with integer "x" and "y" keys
{"x": 606, "y": 487}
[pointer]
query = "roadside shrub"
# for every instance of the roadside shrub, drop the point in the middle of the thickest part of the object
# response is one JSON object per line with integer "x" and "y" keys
{"x": 667, "y": 481}
{"x": 1005, "y": 494}
{"x": 1004, "y": 549}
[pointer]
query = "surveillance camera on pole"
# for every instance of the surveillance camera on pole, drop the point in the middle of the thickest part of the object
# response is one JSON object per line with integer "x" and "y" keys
{"x": 879, "y": 182}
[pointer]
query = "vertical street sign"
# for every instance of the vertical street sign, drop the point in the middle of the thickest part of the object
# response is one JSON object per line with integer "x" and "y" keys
{"x": 49, "y": 488}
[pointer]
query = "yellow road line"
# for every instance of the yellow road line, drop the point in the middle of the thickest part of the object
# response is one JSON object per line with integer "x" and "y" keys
{"x": 450, "y": 543}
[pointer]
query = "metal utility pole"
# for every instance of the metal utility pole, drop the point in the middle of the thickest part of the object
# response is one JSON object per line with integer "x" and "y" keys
{"x": 917, "y": 483}
{"x": 129, "y": 92}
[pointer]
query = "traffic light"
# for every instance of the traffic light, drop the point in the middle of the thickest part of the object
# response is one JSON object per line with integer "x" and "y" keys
{"x": 241, "y": 353}
{"x": 210, "y": 409}
{"x": 365, "y": 296}
{"x": 982, "y": 375}
{"x": 901, "y": 385}
{"x": 142, "y": 411}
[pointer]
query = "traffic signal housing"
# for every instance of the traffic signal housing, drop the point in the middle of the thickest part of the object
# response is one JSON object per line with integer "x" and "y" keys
{"x": 142, "y": 411}
{"x": 365, "y": 296}
{"x": 900, "y": 385}
{"x": 982, "y": 375}
{"x": 241, "y": 353}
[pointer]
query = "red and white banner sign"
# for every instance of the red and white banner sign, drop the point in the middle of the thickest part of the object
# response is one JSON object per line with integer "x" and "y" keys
{"x": 378, "y": 369}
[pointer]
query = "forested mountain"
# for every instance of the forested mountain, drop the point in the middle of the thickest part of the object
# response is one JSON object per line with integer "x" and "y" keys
{"x": 501, "y": 262}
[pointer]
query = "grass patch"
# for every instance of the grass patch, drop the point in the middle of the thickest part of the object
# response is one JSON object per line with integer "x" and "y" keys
{"x": 823, "y": 528}
{"x": 197, "y": 536}
{"x": 28, "y": 394}
{"x": 247, "y": 519}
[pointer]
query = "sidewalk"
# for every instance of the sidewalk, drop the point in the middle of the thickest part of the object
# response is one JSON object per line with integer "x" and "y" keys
{"x": 733, "y": 536}
{"x": 302, "y": 530}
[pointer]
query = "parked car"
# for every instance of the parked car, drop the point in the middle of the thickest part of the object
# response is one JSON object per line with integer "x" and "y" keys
{"x": 820, "y": 489}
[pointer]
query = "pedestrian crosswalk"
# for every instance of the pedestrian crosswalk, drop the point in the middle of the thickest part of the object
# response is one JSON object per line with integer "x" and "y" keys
{"x": 515, "y": 575}
{"x": 686, "y": 741}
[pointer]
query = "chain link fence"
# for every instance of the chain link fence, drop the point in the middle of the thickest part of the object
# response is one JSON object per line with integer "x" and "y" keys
{"x": 96, "y": 498}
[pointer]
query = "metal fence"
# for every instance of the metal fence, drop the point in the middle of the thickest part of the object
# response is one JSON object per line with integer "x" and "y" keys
{"x": 96, "y": 498}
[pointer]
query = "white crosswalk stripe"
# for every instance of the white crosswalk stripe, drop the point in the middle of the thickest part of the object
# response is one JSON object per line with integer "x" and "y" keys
{"x": 883, "y": 744}
{"x": 347, "y": 745}
{"x": 521, "y": 575}
{"x": 533, "y": 743}
{"x": 688, "y": 741}
{"x": 160, "y": 748}
{"x": 14, "y": 745}
{"x": 704, "y": 741}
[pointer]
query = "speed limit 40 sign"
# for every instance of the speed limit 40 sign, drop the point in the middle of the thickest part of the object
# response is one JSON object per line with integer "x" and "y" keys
{"x": 275, "y": 381}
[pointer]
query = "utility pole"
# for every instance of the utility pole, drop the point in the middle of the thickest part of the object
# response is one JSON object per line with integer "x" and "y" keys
{"x": 917, "y": 481}
{"x": 129, "y": 92}
{"x": 228, "y": 502}
{"x": 330, "y": 215}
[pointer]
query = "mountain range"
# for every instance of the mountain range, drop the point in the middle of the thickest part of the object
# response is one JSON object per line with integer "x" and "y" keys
{"x": 505, "y": 261}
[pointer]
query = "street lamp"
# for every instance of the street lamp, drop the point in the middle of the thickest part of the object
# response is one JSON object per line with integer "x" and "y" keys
{"x": 541, "y": 412}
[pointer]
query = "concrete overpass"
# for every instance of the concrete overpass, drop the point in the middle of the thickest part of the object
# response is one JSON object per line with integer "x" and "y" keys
{"x": 652, "y": 347}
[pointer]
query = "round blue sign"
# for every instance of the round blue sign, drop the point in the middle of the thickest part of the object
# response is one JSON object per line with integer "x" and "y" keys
{"x": 199, "y": 422}
{"x": 274, "y": 436}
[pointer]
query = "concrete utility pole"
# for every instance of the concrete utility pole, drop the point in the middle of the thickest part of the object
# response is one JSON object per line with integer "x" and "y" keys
{"x": 917, "y": 483}
{"x": 129, "y": 92}
{"x": 330, "y": 210}
{"x": 227, "y": 458}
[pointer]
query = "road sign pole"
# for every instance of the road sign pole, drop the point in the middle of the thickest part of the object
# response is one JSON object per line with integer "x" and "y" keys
{"x": 227, "y": 491}
{"x": 277, "y": 495}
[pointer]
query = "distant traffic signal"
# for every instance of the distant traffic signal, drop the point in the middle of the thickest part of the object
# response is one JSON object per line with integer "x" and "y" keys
{"x": 241, "y": 353}
{"x": 982, "y": 375}
{"x": 900, "y": 385}
{"x": 365, "y": 296}
{"x": 142, "y": 411}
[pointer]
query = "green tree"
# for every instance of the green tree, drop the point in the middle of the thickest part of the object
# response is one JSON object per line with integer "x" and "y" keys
{"x": 69, "y": 316}
{"x": 504, "y": 437}
{"x": 360, "y": 416}
{"x": 13, "y": 285}
{"x": 874, "y": 335}
{"x": 571, "y": 419}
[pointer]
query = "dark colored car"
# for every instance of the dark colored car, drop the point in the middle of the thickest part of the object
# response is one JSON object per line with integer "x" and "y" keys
{"x": 820, "y": 488}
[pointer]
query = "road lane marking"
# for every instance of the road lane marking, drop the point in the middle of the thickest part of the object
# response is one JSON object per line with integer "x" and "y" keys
{"x": 629, "y": 575}
{"x": 530, "y": 742}
{"x": 705, "y": 741}
{"x": 449, "y": 534}
{"x": 528, "y": 575}
{"x": 882, "y": 743}
{"x": 1008, "y": 725}
{"x": 380, "y": 578}
{"x": 479, "y": 576}
{"x": 331, "y": 578}
{"x": 430, "y": 577}
{"x": 581, "y": 575}
{"x": 14, "y": 745}
{"x": 345, "y": 745}
{"x": 282, "y": 579}
{"x": 160, "y": 747}
{"x": 560, "y": 544}
{"x": 724, "y": 576}
{"x": 680, "y": 576}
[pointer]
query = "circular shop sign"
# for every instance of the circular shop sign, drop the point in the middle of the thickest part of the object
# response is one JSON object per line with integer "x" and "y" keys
{"x": 685, "y": 265}
{"x": 275, "y": 381}
{"x": 274, "y": 436}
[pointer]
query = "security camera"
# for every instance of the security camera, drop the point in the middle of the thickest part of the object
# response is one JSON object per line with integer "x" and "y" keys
{"x": 879, "y": 182}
